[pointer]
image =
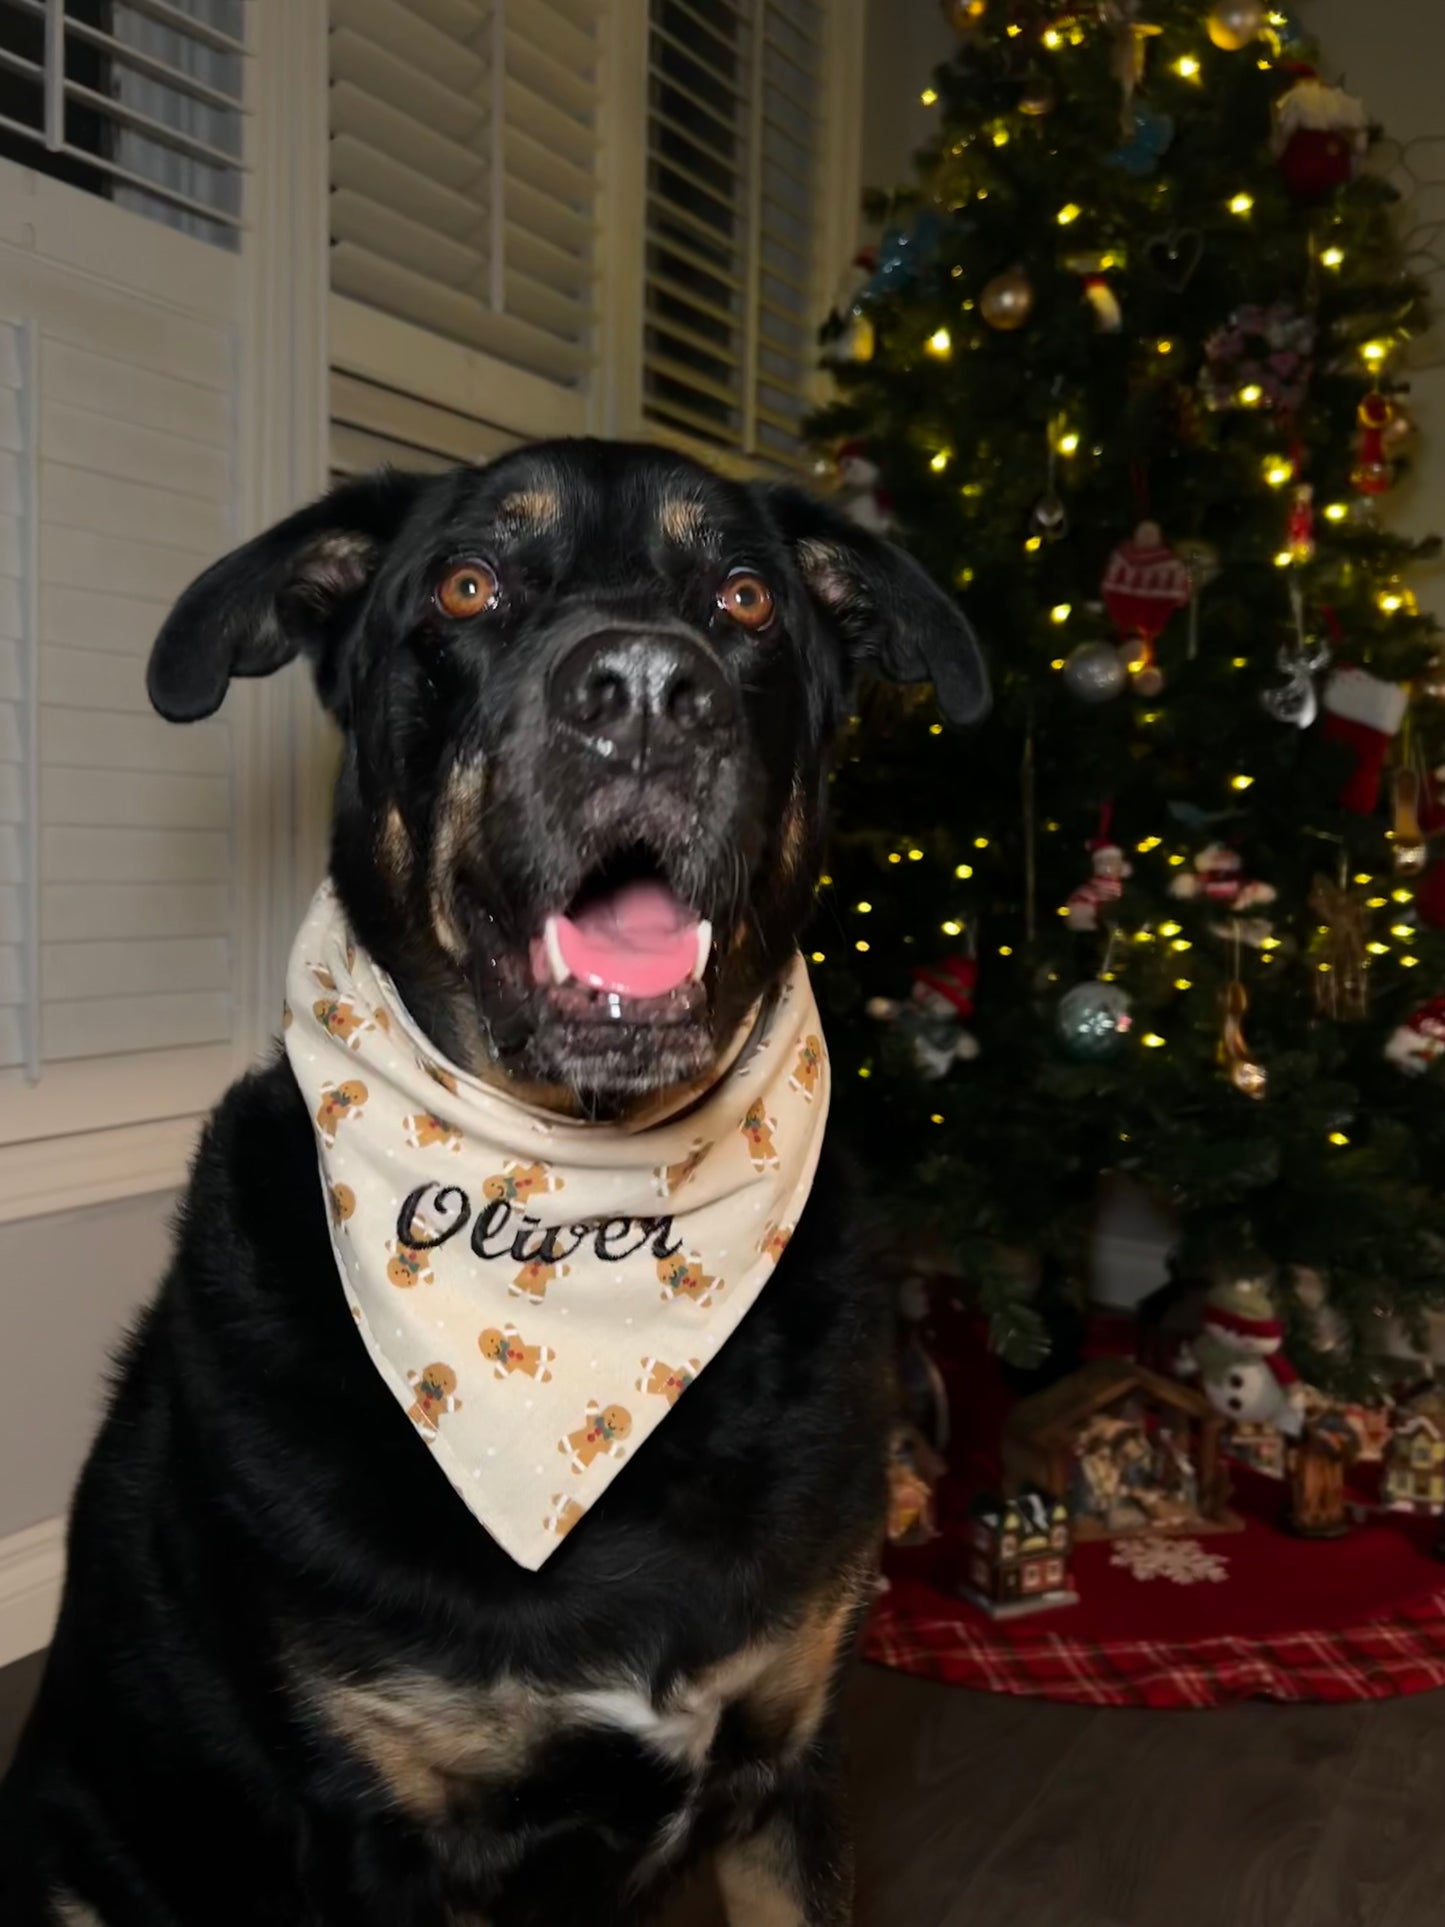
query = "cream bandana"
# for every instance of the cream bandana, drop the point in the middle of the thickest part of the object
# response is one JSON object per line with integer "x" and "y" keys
{"x": 538, "y": 1292}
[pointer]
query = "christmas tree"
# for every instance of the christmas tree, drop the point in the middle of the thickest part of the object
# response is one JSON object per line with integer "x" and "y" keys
{"x": 1128, "y": 371}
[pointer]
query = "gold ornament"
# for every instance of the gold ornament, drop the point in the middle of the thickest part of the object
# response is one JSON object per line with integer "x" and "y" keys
{"x": 1038, "y": 97}
{"x": 1008, "y": 300}
{"x": 1248, "y": 1078}
{"x": 1431, "y": 686}
{"x": 1341, "y": 988}
{"x": 964, "y": 16}
{"x": 1408, "y": 853}
{"x": 1232, "y": 24}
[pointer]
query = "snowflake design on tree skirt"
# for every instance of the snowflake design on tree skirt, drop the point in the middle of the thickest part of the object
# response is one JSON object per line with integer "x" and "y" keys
{"x": 1183, "y": 1562}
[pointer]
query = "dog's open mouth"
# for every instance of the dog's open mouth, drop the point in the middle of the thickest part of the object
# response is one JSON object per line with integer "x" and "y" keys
{"x": 626, "y": 939}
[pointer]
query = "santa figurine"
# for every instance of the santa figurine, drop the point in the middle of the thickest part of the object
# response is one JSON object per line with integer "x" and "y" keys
{"x": 1105, "y": 884}
{"x": 1239, "y": 1360}
{"x": 864, "y": 502}
{"x": 1417, "y": 1043}
{"x": 1320, "y": 135}
{"x": 1216, "y": 878}
{"x": 936, "y": 1014}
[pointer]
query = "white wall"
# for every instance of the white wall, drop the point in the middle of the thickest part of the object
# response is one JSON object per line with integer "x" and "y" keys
{"x": 69, "y": 1285}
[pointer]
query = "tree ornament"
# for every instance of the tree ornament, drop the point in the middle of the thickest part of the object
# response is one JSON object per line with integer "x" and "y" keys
{"x": 1104, "y": 886}
{"x": 1300, "y": 531}
{"x": 1420, "y": 1041}
{"x": 1239, "y": 1357}
{"x": 1148, "y": 682}
{"x": 1232, "y": 24}
{"x": 1409, "y": 852}
{"x": 1340, "y": 958}
{"x": 1007, "y": 301}
{"x": 850, "y": 336}
{"x": 1108, "y": 315}
{"x": 1202, "y": 561}
{"x": 964, "y": 16}
{"x": 1148, "y": 136}
{"x": 1130, "y": 52}
{"x": 1320, "y": 136}
{"x": 1038, "y": 97}
{"x": 1093, "y": 1021}
{"x": 1217, "y": 878}
{"x": 936, "y": 1015}
{"x": 1050, "y": 519}
{"x": 1261, "y": 358}
{"x": 1094, "y": 673}
{"x": 1430, "y": 687}
{"x": 1145, "y": 582}
{"x": 903, "y": 253}
{"x": 1248, "y": 1078}
{"x": 1298, "y": 702}
{"x": 863, "y": 501}
{"x": 1374, "y": 472}
{"x": 1173, "y": 257}
{"x": 1364, "y": 713}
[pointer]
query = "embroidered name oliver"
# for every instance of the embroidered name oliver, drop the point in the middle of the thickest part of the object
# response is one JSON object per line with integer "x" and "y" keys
{"x": 448, "y": 1212}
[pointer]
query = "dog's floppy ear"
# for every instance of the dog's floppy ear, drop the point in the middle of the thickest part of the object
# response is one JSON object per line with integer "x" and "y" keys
{"x": 293, "y": 589}
{"x": 891, "y": 616}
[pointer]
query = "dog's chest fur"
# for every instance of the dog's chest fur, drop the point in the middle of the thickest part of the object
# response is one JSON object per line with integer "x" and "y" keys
{"x": 438, "y": 1747}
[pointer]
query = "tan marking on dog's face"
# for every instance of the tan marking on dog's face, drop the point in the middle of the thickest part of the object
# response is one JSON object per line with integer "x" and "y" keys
{"x": 458, "y": 814}
{"x": 826, "y": 570}
{"x": 682, "y": 520}
{"x": 793, "y": 852}
{"x": 70, "y": 1912}
{"x": 531, "y": 509}
{"x": 393, "y": 849}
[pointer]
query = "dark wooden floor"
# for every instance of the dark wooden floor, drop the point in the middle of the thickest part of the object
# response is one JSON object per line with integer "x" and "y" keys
{"x": 975, "y": 1810}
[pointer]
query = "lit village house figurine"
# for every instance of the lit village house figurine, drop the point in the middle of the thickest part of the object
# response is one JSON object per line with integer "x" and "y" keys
{"x": 1018, "y": 1555}
{"x": 1414, "y": 1478}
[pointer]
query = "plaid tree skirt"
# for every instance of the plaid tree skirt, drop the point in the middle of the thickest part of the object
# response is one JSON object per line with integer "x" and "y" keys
{"x": 1165, "y": 1622}
{"x": 1189, "y": 1622}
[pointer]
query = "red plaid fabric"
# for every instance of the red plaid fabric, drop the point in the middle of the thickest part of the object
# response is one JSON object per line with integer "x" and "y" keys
{"x": 916, "y": 1629}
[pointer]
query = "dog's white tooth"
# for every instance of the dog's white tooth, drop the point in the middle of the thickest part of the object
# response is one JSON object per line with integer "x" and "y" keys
{"x": 561, "y": 973}
{"x": 704, "y": 950}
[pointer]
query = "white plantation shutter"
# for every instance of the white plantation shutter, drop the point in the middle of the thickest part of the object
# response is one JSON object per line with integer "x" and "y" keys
{"x": 115, "y": 827}
{"x": 735, "y": 144}
{"x": 138, "y": 101}
{"x": 464, "y": 167}
{"x": 373, "y": 426}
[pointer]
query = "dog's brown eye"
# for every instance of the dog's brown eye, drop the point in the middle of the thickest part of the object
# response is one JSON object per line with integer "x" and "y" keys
{"x": 747, "y": 600}
{"x": 469, "y": 589}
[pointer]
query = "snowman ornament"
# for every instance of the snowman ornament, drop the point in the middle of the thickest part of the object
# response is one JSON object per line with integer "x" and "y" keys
{"x": 1239, "y": 1360}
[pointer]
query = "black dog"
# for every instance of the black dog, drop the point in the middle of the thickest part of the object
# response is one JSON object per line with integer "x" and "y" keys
{"x": 294, "y": 1681}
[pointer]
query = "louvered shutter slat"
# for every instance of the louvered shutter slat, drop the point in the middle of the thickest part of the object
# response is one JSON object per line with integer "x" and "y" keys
{"x": 464, "y": 197}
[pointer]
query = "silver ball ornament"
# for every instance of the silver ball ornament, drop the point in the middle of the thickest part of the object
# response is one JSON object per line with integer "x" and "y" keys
{"x": 1007, "y": 301}
{"x": 1094, "y": 673}
{"x": 1232, "y": 24}
{"x": 1093, "y": 1022}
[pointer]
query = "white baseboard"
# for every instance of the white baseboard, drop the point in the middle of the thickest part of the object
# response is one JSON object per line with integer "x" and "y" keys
{"x": 32, "y": 1567}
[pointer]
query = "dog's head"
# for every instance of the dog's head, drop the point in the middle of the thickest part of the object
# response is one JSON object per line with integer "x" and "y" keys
{"x": 587, "y": 695}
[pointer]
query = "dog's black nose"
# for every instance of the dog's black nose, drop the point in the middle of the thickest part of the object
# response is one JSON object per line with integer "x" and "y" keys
{"x": 638, "y": 696}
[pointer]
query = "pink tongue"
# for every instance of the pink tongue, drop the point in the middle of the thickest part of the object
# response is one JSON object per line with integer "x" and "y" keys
{"x": 637, "y": 940}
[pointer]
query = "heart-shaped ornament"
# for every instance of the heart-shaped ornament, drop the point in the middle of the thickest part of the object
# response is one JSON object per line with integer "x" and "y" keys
{"x": 1173, "y": 257}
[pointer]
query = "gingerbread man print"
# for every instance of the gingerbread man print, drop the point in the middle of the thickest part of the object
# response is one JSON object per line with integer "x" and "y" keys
{"x": 599, "y": 1436}
{"x": 509, "y": 1353}
{"x": 808, "y": 1070}
{"x": 436, "y": 1395}
{"x": 423, "y": 1131}
{"x": 406, "y": 1266}
{"x": 684, "y": 1277}
{"x": 667, "y": 1381}
{"x": 519, "y": 1183}
{"x": 338, "y": 1103}
{"x": 758, "y": 1128}
{"x": 532, "y": 1280}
